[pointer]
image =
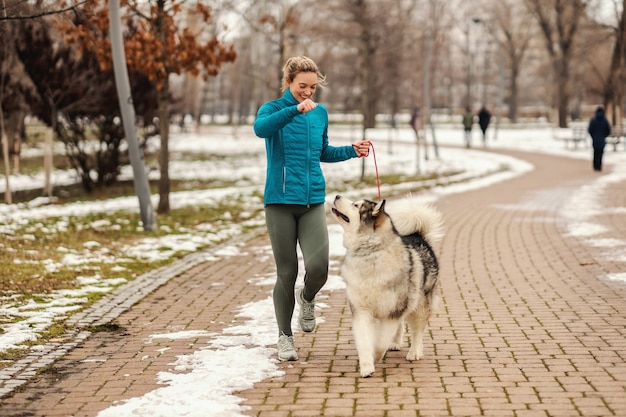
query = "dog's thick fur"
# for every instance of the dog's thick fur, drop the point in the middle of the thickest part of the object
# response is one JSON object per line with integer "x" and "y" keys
{"x": 391, "y": 273}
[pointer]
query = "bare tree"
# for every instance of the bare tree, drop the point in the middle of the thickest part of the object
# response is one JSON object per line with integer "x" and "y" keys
{"x": 277, "y": 27}
{"x": 15, "y": 88}
{"x": 435, "y": 18}
{"x": 159, "y": 46}
{"x": 559, "y": 22}
{"x": 400, "y": 40}
{"x": 364, "y": 17}
{"x": 15, "y": 10}
{"x": 513, "y": 35}
{"x": 76, "y": 98}
{"x": 4, "y": 54}
{"x": 614, "y": 87}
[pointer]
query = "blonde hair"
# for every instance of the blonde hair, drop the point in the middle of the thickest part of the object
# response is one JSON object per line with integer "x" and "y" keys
{"x": 297, "y": 64}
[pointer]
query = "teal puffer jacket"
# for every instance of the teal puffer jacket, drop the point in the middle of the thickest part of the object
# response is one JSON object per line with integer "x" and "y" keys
{"x": 295, "y": 144}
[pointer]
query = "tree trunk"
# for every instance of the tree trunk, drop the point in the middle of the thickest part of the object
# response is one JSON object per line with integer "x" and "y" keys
{"x": 513, "y": 98}
{"x": 47, "y": 162}
{"x": 365, "y": 76}
{"x": 613, "y": 89}
{"x": 164, "y": 122}
{"x": 7, "y": 167}
{"x": 559, "y": 24}
{"x": 368, "y": 103}
{"x": 164, "y": 180}
{"x": 3, "y": 136}
{"x": 427, "y": 90}
{"x": 563, "y": 94}
{"x": 366, "y": 73}
{"x": 14, "y": 129}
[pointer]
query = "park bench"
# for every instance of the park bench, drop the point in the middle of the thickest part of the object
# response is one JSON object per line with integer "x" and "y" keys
{"x": 574, "y": 135}
{"x": 617, "y": 136}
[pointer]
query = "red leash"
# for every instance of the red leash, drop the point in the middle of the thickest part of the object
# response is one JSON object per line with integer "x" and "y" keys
{"x": 376, "y": 166}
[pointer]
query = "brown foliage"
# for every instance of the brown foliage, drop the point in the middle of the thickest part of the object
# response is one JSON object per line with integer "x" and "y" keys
{"x": 155, "y": 46}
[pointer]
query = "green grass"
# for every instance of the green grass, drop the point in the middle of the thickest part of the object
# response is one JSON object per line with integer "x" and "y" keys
{"x": 29, "y": 280}
{"x": 21, "y": 267}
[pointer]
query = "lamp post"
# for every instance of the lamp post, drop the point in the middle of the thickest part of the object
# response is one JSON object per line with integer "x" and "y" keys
{"x": 470, "y": 60}
{"x": 500, "y": 108}
{"x": 488, "y": 25}
{"x": 468, "y": 76}
{"x": 127, "y": 110}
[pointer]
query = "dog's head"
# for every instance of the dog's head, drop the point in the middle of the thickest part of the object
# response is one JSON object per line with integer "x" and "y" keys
{"x": 360, "y": 218}
{"x": 357, "y": 213}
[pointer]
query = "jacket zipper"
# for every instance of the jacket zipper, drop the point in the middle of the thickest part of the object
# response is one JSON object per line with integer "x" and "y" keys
{"x": 308, "y": 160}
{"x": 284, "y": 179}
{"x": 280, "y": 133}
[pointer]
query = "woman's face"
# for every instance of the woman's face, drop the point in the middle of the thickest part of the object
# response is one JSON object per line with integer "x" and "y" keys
{"x": 303, "y": 85}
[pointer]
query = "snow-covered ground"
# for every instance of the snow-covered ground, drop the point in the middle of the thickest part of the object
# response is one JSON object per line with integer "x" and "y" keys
{"x": 202, "y": 381}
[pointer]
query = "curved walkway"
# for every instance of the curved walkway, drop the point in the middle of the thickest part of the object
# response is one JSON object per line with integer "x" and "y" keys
{"x": 528, "y": 326}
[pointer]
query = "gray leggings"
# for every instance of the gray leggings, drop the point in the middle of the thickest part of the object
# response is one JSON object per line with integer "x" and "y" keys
{"x": 288, "y": 225}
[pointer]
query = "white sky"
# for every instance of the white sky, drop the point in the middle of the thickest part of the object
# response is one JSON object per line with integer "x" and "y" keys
{"x": 208, "y": 378}
{"x": 606, "y": 10}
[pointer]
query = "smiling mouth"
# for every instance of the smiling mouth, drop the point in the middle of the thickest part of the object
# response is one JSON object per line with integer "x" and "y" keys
{"x": 341, "y": 215}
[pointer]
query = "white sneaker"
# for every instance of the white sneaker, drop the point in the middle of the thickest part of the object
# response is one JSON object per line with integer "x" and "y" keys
{"x": 286, "y": 349}
{"x": 306, "y": 319}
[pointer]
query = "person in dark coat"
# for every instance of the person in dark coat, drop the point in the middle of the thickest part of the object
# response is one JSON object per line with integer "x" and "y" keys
{"x": 484, "y": 117}
{"x": 599, "y": 128}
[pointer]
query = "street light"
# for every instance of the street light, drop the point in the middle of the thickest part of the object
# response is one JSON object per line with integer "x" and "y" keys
{"x": 470, "y": 62}
{"x": 127, "y": 110}
{"x": 488, "y": 50}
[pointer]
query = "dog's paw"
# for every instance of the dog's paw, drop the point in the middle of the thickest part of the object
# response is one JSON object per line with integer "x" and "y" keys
{"x": 414, "y": 354}
{"x": 367, "y": 369}
{"x": 365, "y": 373}
{"x": 395, "y": 347}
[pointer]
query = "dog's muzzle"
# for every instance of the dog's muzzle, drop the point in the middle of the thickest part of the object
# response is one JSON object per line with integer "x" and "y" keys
{"x": 340, "y": 215}
{"x": 337, "y": 213}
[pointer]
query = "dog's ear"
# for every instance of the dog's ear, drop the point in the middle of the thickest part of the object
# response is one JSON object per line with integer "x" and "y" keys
{"x": 379, "y": 208}
{"x": 379, "y": 214}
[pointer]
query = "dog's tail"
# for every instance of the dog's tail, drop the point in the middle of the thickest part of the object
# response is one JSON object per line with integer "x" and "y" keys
{"x": 411, "y": 216}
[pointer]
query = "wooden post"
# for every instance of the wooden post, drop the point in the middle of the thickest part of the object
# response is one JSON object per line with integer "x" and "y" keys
{"x": 47, "y": 162}
{"x": 8, "y": 198}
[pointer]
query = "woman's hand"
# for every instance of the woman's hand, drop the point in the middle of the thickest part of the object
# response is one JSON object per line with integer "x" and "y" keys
{"x": 362, "y": 148}
{"x": 306, "y": 105}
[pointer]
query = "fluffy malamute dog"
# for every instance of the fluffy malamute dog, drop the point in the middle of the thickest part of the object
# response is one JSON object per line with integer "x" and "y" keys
{"x": 391, "y": 273}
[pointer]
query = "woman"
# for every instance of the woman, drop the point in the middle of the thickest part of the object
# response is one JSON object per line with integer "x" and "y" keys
{"x": 295, "y": 129}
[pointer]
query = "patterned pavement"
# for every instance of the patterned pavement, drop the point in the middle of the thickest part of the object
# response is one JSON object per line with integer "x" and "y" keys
{"x": 530, "y": 325}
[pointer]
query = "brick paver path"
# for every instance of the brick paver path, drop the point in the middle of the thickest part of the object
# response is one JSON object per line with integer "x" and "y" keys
{"x": 528, "y": 325}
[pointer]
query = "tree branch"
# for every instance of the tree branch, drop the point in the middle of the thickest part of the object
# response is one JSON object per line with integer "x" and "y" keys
{"x": 42, "y": 14}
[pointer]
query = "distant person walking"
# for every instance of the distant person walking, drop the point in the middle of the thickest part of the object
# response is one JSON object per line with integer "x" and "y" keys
{"x": 295, "y": 129}
{"x": 468, "y": 122}
{"x": 599, "y": 128}
{"x": 484, "y": 117}
{"x": 416, "y": 124}
{"x": 416, "y": 119}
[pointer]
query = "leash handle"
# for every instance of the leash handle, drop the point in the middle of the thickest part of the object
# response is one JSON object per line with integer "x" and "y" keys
{"x": 375, "y": 165}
